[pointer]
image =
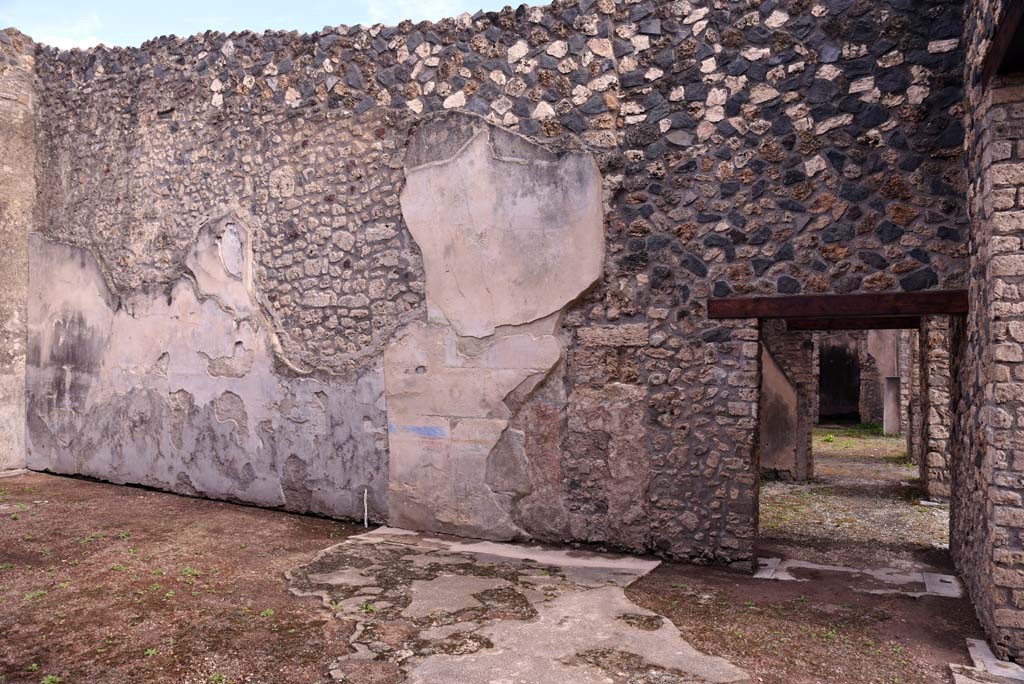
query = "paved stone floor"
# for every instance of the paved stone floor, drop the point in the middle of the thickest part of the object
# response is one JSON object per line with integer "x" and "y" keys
{"x": 486, "y": 613}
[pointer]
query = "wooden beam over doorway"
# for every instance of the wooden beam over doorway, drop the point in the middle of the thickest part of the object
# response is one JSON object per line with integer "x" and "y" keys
{"x": 855, "y": 323}
{"x": 1005, "y": 45}
{"x": 931, "y": 302}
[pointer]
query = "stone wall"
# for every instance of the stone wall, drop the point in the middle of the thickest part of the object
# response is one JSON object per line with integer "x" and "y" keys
{"x": 18, "y": 103}
{"x": 250, "y": 221}
{"x": 987, "y": 386}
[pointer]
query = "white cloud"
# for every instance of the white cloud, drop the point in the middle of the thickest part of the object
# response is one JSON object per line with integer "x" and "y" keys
{"x": 80, "y": 33}
{"x": 394, "y": 11}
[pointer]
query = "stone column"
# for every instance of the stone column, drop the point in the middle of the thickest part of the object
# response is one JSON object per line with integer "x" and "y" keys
{"x": 915, "y": 405}
{"x": 17, "y": 203}
{"x": 934, "y": 406}
{"x": 891, "y": 421}
{"x": 877, "y": 361}
{"x": 987, "y": 508}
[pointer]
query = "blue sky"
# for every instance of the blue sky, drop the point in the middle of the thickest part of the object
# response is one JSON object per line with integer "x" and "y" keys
{"x": 84, "y": 23}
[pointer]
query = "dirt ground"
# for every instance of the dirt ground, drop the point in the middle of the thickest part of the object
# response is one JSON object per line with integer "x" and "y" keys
{"x": 820, "y": 632}
{"x": 101, "y": 583}
{"x": 860, "y": 511}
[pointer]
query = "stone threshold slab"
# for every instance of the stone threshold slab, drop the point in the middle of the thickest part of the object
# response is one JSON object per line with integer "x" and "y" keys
{"x": 935, "y": 584}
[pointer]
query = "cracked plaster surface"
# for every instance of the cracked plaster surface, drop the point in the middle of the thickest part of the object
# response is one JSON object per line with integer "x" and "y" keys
{"x": 511, "y": 233}
{"x": 182, "y": 389}
{"x": 432, "y": 609}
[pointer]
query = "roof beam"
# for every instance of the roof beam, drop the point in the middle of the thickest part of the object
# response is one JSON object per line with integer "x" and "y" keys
{"x": 1003, "y": 40}
{"x": 931, "y": 302}
{"x": 855, "y": 323}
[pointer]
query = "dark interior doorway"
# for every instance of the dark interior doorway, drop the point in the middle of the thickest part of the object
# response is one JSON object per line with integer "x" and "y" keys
{"x": 839, "y": 380}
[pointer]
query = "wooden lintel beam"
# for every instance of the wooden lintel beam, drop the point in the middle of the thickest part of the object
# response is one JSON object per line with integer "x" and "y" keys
{"x": 1002, "y": 41}
{"x": 854, "y": 323}
{"x": 931, "y": 302}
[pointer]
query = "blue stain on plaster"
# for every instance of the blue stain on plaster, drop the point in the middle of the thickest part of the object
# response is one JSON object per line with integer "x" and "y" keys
{"x": 419, "y": 430}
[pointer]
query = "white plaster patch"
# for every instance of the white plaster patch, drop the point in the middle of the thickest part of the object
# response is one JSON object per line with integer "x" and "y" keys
{"x": 510, "y": 234}
{"x": 497, "y": 228}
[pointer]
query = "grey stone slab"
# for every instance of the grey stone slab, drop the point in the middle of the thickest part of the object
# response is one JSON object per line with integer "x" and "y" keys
{"x": 942, "y": 585}
{"x": 494, "y": 612}
{"x": 448, "y": 594}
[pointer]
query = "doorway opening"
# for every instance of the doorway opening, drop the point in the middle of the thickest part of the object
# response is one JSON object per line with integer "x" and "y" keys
{"x": 855, "y": 394}
{"x": 838, "y": 378}
{"x": 861, "y": 502}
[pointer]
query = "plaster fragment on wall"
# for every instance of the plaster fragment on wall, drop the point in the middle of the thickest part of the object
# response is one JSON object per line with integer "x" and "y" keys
{"x": 498, "y": 218}
{"x": 510, "y": 233}
{"x": 212, "y": 415}
{"x": 234, "y": 366}
{"x": 230, "y": 407}
{"x": 181, "y": 404}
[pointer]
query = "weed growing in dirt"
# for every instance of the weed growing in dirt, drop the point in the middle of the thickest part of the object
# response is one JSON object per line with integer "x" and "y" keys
{"x": 269, "y": 612}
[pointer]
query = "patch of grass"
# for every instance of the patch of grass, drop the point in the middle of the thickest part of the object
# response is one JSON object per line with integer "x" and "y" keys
{"x": 51, "y": 679}
{"x": 150, "y": 652}
{"x": 829, "y": 438}
{"x": 266, "y": 613}
{"x": 33, "y": 595}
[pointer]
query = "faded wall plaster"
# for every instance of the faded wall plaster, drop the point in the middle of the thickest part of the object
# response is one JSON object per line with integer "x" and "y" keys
{"x": 510, "y": 234}
{"x": 179, "y": 388}
{"x": 18, "y": 103}
{"x": 779, "y": 429}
